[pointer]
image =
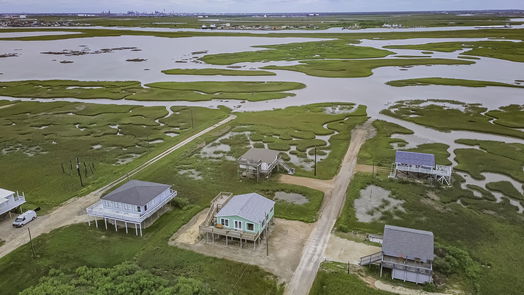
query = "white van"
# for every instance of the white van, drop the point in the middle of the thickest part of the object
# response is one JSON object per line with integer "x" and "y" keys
{"x": 24, "y": 218}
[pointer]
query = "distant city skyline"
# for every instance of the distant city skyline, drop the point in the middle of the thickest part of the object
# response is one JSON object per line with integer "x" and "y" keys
{"x": 250, "y": 6}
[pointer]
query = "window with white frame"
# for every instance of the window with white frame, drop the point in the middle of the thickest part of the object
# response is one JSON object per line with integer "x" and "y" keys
{"x": 224, "y": 221}
{"x": 238, "y": 224}
{"x": 250, "y": 226}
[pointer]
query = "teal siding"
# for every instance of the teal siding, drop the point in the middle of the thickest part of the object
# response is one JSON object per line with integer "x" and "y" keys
{"x": 229, "y": 222}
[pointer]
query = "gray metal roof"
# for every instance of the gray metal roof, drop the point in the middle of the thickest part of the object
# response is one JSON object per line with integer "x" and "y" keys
{"x": 136, "y": 192}
{"x": 412, "y": 158}
{"x": 252, "y": 207}
{"x": 258, "y": 154}
{"x": 407, "y": 242}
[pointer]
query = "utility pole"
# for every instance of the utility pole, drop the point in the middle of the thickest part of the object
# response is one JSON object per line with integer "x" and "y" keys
{"x": 267, "y": 242}
{"x": 78, "y": 170}
{"x": 31, "y": 242}
{"x": 192, "y": 121}
{"x": 315, "y": 160}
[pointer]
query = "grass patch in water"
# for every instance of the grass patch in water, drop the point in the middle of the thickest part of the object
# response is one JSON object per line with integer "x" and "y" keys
{"x": 447, "y": 115}
{"x": 360, "y": 68}
{"x": 337, "y": 49}
{"x": 217, "y": 72}
{"x": 163, "y": 91}
{"x": 448, "y": 82}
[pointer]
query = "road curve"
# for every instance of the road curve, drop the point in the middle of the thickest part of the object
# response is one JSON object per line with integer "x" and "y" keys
{"x": 73, "y": 210}
{"x": 313, "y": 252}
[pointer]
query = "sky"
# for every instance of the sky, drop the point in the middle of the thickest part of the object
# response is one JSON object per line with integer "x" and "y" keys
{"x": 246, "y": 6}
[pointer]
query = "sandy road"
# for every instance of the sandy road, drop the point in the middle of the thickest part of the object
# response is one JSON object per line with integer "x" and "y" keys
{"x": 315, "y": 247}
{"x": 73, "y": 211}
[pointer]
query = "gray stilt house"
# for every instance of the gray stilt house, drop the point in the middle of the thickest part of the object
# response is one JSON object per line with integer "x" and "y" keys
{"x": 408, "y": 252}
{"x": 259, "y": 162}
{"x": 420, "y": 164}
{"x": 239, "y": 218}
{"x": 133, "y": 203}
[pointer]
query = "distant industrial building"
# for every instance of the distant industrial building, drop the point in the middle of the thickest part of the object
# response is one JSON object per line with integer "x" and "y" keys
{"x": 408, "y": 252}
{"x": 420, "y": 165}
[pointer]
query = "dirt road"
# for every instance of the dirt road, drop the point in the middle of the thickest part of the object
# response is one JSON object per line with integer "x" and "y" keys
{"x": 73, "y": 211}
{"x": 315, "y": 246}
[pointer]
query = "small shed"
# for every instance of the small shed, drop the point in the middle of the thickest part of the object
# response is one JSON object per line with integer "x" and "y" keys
{"x": 132, "y": 203}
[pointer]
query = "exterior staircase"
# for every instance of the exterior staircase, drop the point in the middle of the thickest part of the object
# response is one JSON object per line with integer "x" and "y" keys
{"x": 288, "y": 169}
{"x": 371, "y": 259}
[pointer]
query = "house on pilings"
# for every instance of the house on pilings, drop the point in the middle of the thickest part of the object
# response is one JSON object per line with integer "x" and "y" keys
{"x": 408, "y": 252}
{"x": 243, "y": 218}
{"x": 259, "y": 163}
{"x": 411, "y": 164}
{"x": 134, "y": 204}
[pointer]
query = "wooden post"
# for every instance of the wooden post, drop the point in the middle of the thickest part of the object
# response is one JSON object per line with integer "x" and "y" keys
{"x": 105, "y": 221}
{"x": 31, "y": 241}
{"x": 125, "y": 223}
{"x": 89, "y": 222}
{"x": 96, "y": 222}
{"x": 140, "y": 225}
{"x": 226, "y": 238}
{"x": 136, "y": 229}
{"x": 116, "y": 228}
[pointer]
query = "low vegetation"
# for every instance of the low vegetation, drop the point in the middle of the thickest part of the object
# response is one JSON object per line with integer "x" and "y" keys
{"x": 380, "y": 149}
{"x": 448, "y": 82}
{"x": 507, "y": 50}
{"x": 492, "y": 156}
{"x": 337, "y": 49}
{"x": 217, "y": 72}
{"x": 107, "y": 140}
{"x": 466, "y": 260}
{"x": 333, "y": 278}
{"x": 163, "y": 91}
{"x": 510, "y": 116}
{"x": 124, "y": 278}
{"x": 449, "y": 115}
{"x": 361, "y": 68}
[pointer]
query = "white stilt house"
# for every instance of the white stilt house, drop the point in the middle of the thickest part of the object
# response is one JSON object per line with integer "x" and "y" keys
{"x": 10, "y": 200}
{"x": 131, "y": 204}
{"x": 410, "y": 163}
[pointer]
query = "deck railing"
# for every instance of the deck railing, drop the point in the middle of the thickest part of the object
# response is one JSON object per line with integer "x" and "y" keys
{"x": 98, "y": 210}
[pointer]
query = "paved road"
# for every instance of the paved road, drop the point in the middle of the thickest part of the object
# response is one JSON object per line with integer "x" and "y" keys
{"x": 73, "y": 211}
{"x": 313, "y": 252}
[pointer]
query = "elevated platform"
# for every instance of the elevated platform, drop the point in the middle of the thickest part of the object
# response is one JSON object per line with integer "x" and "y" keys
{"x": 439, "y": 172}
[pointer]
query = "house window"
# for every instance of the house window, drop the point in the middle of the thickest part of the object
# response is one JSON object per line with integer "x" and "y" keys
{"x": 138, "y": 209}
{"x": 224, "y": 222}
{"x": 145, "y": 208}
{"x": 238, "y": 224}
{"x": 250, "y": 226}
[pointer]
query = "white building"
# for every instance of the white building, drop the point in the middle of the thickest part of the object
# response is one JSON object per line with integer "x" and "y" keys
{"x": 132, "y": 203}
{"x": 10, "y": 200}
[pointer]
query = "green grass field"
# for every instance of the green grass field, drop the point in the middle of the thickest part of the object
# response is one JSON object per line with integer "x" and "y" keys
{"x": 360, "y": 68}
{"x": 506, "y": 50}
{"x": 338, "y": 49}
{"x": 493, "y": 156}
{"x": 160, "y": 91}
{"x": 481, "y": 228}
{"x": 448, "y": 82}
{"x": 217, "y": 72}
{"x": 41, "y": 151}
{"x": 442, "y": 117}
{"x": 332, "y": 279}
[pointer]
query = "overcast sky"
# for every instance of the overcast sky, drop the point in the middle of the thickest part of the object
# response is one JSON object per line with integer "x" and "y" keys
{"x": 244, "y": 6}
